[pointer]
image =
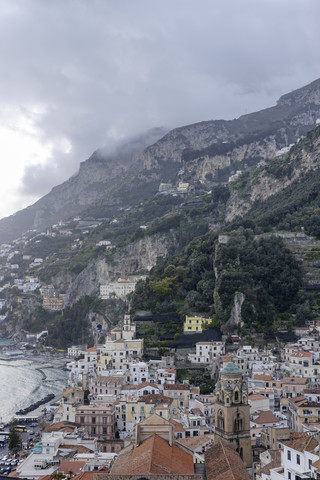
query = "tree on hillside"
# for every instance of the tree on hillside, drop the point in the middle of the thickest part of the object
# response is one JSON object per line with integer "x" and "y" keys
{"x": 14, "y": 437}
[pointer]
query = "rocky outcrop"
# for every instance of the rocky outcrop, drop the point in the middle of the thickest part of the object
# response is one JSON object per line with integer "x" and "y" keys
{"x": 138, "y": 257}
{"x": 235, "y": 318}
{"x": 264, "y": 184}
{"x": 239, "y": 157}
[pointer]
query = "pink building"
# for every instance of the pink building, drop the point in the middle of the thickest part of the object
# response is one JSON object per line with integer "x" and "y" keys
{"x": 99, "y": 421}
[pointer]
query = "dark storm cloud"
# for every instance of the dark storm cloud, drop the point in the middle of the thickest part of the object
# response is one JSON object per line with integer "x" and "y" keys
{"x": 103, "y": 70}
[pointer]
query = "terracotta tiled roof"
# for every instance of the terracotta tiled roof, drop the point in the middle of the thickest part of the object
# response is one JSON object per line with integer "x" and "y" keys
{"x": 154, "y": 419}
{"x": 273, "y": 464}
{"x": 85, "y": 476}
{"x": 94, "y": 475}
{"x": 316, "y": 465}
{"x": 224, "y": 463}
{"x": 195, "y": 442}
{"x": 71, "y": 466}
{"x": 45, "y": 477}
{"x": 94, "y": 408}
{"x": 303, "y": 443}
{"x": 256, "y": 396}
{"x": 156, "y": 398}
{"x": 109, "y": 380}
{"x": 265, "y": 417}
{"x": 91, "y": 350}
{"x": 76, "y": 390}
{"x": 295, "y": 435}
{"x": 298, "y": 399}
{"x": 301, "y": 354}
{"x": 154, "y": 455}
{"x": 262, "y": 377}
{"x": 147, "y": 384}
{"x": 78, "y": 448}
{"x": 61, "y": 426}
{"x": 297, "y": 380}
{"x": 176, "y": 386}
{"x": 177, "y": 426}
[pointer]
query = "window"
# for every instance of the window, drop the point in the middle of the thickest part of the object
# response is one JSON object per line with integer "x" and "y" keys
{"x": 289, "y": 475}
{"x": 289, "y": 455}
{"x": 298, "y": 459}
{"x": 220, "y": 420}
{"x": 238, "y": 423}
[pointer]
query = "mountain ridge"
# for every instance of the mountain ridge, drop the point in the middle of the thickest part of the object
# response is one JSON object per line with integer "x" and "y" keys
{"x": 117, "y": 181}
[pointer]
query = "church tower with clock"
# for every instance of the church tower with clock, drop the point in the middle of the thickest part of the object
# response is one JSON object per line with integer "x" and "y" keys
{"x": 232, "y": 412}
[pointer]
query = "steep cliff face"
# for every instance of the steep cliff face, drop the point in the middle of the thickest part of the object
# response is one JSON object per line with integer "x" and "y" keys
{"x": 263, "y": 184}
{"x": 113, "y": 179}
{"x": 239, "y": 157}
{"x": 195, "y": 137}
{"x": 139, "y": 256}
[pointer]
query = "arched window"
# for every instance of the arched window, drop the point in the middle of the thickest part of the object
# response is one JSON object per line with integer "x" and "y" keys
{"x": 220, "y": 420}
{"x": 236, "y": 396}
{"x": 238, "y": 423}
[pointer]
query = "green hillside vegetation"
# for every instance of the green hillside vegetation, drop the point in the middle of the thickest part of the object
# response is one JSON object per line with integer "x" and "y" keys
{"x": 263, "y": 269}
{"x": 69, "y": 327}
{"x": 199, "y": 274}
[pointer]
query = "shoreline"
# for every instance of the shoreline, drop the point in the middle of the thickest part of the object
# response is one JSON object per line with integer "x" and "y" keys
{"x": 43, "y": 364}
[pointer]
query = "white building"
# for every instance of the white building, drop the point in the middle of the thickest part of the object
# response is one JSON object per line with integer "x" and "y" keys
{"x": 129, "y": 328}
{"x": 165, "y": 376}
{"x": 119, "y": 289}
{"x": 297, "y": 459}
{"x": 138, "y": 372}
{"x": 206, "y": 352}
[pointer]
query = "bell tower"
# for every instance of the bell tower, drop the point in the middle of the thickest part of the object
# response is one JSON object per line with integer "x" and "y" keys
{"x": 232, "y": 412}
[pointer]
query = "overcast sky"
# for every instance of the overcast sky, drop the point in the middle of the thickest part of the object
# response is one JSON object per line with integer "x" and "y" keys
{"x": 76, "y": 75}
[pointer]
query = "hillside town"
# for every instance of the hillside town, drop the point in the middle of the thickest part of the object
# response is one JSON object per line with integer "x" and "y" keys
{"x": 160, "y": 240}
{"x": 123, "y": 415}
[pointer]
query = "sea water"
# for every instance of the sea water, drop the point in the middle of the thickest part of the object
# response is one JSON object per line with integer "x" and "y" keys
{"x": 23, "y": 382}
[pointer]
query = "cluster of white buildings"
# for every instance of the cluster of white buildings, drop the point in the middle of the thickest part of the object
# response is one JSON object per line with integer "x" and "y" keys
{"x": 121, "y": 288}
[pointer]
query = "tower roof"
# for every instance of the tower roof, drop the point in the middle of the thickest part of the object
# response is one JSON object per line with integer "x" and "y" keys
{"x": 230, "y": 368}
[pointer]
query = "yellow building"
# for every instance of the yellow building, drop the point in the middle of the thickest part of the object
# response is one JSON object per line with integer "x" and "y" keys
{"x": 116, "y": 353}
{"x": 132, "y": 410}
{"x": 194, "y": 324}
{"x": 53, "y": 303}
{"x": 180, "y": 393}
{"x": 304, "y": 409}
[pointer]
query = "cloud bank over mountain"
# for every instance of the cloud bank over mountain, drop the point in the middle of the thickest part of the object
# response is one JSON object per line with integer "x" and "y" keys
{"x": 79, "y": 75}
